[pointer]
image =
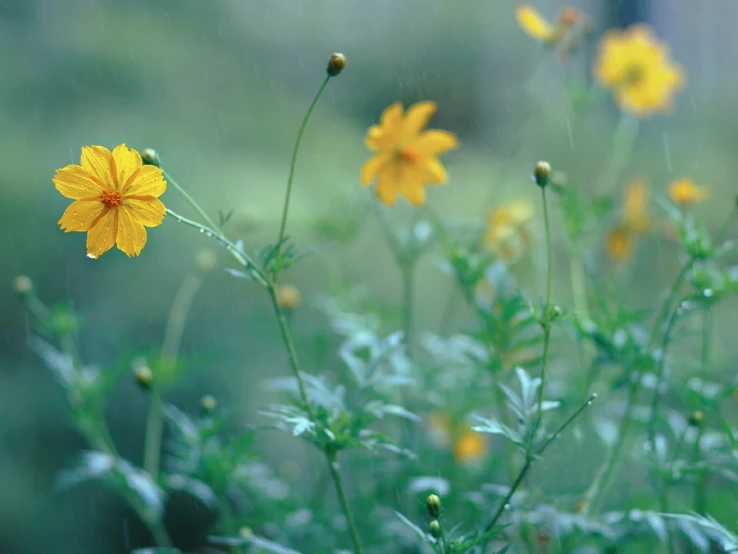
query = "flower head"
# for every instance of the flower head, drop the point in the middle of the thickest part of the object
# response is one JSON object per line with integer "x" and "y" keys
{"x": 685, "y": 193}
{"x": 638, "y": 70}
{"x": 469, "y": 446}
{"x": 289, "y": 297}
{"x": 508, "y": 230}
{"x": 115, "y": 199}
{"x": 406, "y": 156}
{"x": 634, "y": 219}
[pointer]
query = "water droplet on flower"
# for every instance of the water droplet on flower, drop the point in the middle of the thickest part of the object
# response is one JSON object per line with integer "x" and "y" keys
{"x": 91, "y": 256}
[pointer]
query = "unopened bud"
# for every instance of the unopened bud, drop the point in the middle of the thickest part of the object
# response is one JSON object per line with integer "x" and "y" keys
{"x": 696, "y": 418}
{"x": 208, "y": 403}
{"x": 144, "y": 376}
{"x": 568, "y": 16}
{"x": 542, "y": 173}
{"x": 149, "y": 156}
{"x": 433, "y": 505}
{"x": 22, "y": 285}
{"x": 288, "y": 297}
{"x": 435, "y": 528}
{"x": 205, "y": 259}
{"x": 245, "y": 532}
{"x": 336, "y": 64}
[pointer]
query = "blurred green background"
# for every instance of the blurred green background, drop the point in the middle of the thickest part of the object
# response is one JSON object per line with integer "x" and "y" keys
{"x": 219, "y": 88}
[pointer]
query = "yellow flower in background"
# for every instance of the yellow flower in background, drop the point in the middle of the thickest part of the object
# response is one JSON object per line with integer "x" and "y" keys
{"x": 115, "y": 199}
{"x": 685, "y": 193}
{"x": 406, "y": 156}
{"x": 635, "y": 206}
{"x": 469, "y": 447}
{"x": 636, "y": 67}
{"x": 635, "y": 219}
{"x": 508, "y": 229}
{"x": 534, "y": 24}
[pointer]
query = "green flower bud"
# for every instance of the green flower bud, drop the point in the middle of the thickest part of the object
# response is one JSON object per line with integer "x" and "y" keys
{"x": 696, "y": 418}
{"x": 208, "y": 403}
{"x": 144, "y": 376}
{"x": 22, "y": 285}
{"x": 336, "y": 64}
{"x": 149, "y": 156}
{"x": 542, "y": 173}
{"x": 435, "y": 528}
{"x": 433, "y": 505}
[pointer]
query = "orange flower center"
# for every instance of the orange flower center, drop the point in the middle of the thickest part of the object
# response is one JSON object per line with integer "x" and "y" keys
{"x": 111, "y": 198}
{"x": 409, "y": 155}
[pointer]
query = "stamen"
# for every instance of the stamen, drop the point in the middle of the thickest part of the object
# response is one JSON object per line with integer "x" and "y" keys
{"x": 111, "y": 198}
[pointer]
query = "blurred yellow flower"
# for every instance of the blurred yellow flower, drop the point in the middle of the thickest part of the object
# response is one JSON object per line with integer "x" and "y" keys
{"x": 638, "y": 70}
{"x": 508, "y": 229}
{"x": 634, "y": 219}
{"x": 289, "y": 297}
{"x": 536, "y": 26}
{"x": 685, "y": 193}
{"x": 406, "y": 156}
{"x": 115, "y": 198}
{"x": 469, "y": 446}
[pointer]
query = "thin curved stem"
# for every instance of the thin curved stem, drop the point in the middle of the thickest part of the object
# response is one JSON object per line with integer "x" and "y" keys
{"x": 334, "y": 468}
{"x": 651, "y": 425}
{"x": 547, "y": 319}
{"x": 700, "y": 486}
{"x": 192, "y": 202}
{"x": 293, "y": 163}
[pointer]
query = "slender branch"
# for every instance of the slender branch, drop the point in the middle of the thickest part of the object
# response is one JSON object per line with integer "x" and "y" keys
{"x": 334, "y": 468}
{"x": 651, "y": 425}
{"x": 566, "y": 423}
{"x": 700, "y": 486}
{"x": 547, "y": 319}
{"x": 192, "y": 202}
{"x": 293, "y": 163}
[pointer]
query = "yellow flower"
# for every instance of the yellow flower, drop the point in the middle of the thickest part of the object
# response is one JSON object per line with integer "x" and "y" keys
{"x": 508, "y": 231}
{"x": 619, "y": 243}
{"x": 115, "y": 198}
{"x": 289, "y": 297}
{"x": 635, "y": 219}
{"x": 635, "y": 212}
{"x": 685, "y": 193}
{"x": 637, "y": 68}
{"x": 406, "y": 156}
{"x": 469, "y": 446}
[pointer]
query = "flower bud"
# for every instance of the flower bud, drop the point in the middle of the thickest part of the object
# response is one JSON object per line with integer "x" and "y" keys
{"x": 208, "y": 403}
{"x": 205, "y": 259}
{"x": 696, "y": 418}
{"x": 542, "y": 173}
{"x": 288, "y": 297}
{"x": 435, "y": 528}
{"x": 568, "y": 16}
{"x": 433, "y": 505}
{"x": 336, "y": 64}
{"x": 149, "y": 156}
{"x": 144, "y": 376}
{"x": 22, "y": 285}
{"x": 245, "y": 532}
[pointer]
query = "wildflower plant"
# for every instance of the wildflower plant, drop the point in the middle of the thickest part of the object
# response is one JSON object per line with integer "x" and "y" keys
{"x": 431, "y": 438}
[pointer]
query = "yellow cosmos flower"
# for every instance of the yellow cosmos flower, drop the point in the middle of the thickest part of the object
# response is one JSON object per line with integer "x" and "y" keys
{"x": 685, "y": 193}
{"x": 115, "y": 198}
{"x": 508, "y": 230}
{"x": 469, "y": 447}
{"x": 638, "y": 70}
{"x": 406, "y": 156}
{"x": 635, "y": 219}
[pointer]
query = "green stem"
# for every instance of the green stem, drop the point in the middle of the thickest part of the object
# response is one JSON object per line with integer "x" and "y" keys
{"x": 651, "y": 425}
{"x": 192, "y": 202}
{"x": 664, "y": 497}
{"x": 293, "y": 163}
{"x": 622, "y": 144}
{"x": 531, "y": 455}
{"x": 547, "y": 319}
{"x": 700, "y": 486}
{"x": 408, "y": 271}
{"x": 334, "y": 468}
{"x": 242, "y": 258}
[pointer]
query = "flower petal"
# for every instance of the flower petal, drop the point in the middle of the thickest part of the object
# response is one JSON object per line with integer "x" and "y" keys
{"x": 435, "y": 142}
{"x": 131, "y": 235}
{"x": 81, "y": 215}
{"x": 99, "y": 161}
{"x": 387, "y": 187}
{"x": 127, "y": 161}
{"x": 392, "y": 116}
{"x": 413, "y": 190}
{"x": 431, "y": 172}
{"x": 417, "y": 118}
{"x": 372, "y": 167}
{"x": 147, "y": 210}
{"x": 149, "y": 181}
{"x": 75, "y": 182}
{"x": 619, "y": 243}
{"x": 533, "y": 23}
{"x": 101, "y": 237}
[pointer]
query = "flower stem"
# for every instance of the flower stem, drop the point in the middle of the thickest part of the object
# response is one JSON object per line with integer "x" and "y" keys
{"x": 664, "y": 497}
{"x": 192, "y": 202}
{"x": 408, "y": 271}
{"x": 293, "y": 163}
{"x": 547, "y": 319}
{"x": 334, "y": 468}
{"x": 651, "y": 425}
{"x": 700, "y": 486}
